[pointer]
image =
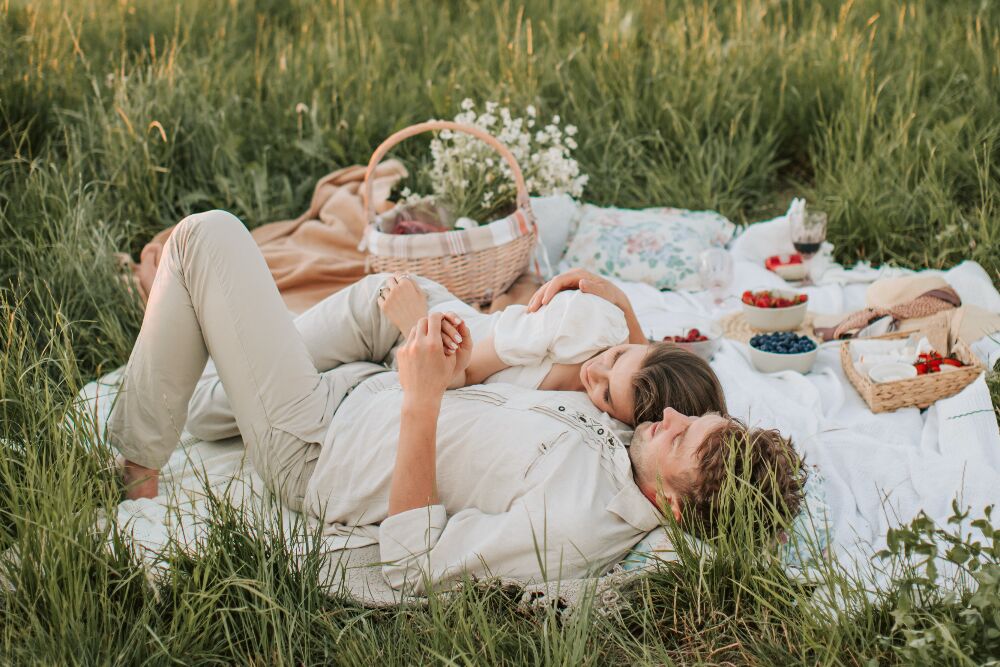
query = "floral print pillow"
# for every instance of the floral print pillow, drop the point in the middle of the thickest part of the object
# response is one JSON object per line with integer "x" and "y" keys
{"x": 658, "y": 246}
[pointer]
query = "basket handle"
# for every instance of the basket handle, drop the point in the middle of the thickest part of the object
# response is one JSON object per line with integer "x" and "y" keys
{"x": 407, "y": 132}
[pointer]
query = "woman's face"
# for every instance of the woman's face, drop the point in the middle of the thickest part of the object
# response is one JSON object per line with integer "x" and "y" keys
{"x": 607, "y": 379}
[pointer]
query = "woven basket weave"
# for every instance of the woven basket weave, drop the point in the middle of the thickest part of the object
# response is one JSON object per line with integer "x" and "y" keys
{"x": 476, "y": 265}
{"x": 921, "y": 391}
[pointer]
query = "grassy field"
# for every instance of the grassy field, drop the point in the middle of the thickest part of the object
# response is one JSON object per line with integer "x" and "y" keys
{"x": 117, "y": 118}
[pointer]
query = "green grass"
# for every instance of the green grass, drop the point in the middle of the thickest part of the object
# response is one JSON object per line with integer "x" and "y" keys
{"x": 118, "y": 118}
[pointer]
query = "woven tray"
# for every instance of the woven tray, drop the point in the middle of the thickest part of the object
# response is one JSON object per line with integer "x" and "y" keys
{"x": 736, "y": 327}
{"x": 921, "y": 391}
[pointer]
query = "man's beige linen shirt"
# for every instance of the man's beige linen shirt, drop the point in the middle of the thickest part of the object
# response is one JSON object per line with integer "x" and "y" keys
{"x": 533, "y": 485}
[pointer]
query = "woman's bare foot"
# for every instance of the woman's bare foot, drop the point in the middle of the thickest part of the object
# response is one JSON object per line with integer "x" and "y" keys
{"x": 403, "y": 302}
{"x": 140, "y": 482}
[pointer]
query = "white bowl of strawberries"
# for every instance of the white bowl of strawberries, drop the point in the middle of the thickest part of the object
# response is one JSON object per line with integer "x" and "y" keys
{"x": 695, "y": 334}
{"x": 774, "y": 310}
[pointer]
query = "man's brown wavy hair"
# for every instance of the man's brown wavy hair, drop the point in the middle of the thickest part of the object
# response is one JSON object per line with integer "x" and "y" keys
{"x": 671, "y": 376}
{"x": 760, "y": 457}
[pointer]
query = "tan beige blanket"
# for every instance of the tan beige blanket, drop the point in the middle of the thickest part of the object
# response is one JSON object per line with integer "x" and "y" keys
{"x": 316, "y": 254}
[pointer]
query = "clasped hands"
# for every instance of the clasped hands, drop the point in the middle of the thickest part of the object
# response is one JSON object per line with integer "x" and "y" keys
{"x": 431, "y": 359}
{"x": 438, "y": 348}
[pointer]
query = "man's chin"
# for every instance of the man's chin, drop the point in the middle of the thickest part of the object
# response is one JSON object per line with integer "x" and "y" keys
{"x": 639, "y": 438}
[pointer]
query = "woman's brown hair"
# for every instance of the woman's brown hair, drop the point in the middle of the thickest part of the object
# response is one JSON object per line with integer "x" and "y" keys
{"x": 671, "y": 376}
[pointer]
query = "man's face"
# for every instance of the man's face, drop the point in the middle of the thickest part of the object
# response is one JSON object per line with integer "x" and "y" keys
{"x": 607, "y": 379}
{"x": 665, "y": 451}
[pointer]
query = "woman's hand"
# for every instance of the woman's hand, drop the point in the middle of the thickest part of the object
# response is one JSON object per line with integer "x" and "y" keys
{"x": 589, "y": 283}
{"x": 425, "y": 371}
{"x": 586, "y": 282}
{"x": 453, "y": 329}
{"x": 402, "y": 301}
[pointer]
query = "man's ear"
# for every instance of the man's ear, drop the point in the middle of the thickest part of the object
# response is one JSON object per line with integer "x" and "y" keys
{"x": 664, "y": 501}
{"x": 671, "y": 502}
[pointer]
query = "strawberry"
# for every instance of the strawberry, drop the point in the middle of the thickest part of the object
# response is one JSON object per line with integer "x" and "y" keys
{"x": 767, "y": 299}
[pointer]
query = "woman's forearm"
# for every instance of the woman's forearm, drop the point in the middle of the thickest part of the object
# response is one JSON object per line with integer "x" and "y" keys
{"x": 484, "y": 362}
{"x": 636, "y": 335}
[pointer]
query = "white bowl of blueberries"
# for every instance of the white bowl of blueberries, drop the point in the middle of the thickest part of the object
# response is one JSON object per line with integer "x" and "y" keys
{"x": 783, "y": 351}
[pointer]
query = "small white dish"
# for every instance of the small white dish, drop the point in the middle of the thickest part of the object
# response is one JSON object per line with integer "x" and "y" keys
{"x": 788, "y": 318}
{"x": 712, "y": 330}
{"x": 772, "y": 362}
{"x": 892, "y": 372}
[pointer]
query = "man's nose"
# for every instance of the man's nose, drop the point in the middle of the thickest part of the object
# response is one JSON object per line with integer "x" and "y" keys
{"x": 670, "y": 415}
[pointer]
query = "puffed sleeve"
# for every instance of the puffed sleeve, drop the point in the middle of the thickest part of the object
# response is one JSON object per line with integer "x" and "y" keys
{"x": 569, "y": 329}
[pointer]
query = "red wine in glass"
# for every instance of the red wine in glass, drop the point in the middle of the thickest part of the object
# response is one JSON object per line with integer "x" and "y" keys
{"x": 807, "y": 248}
{"x": 808, "y": 234}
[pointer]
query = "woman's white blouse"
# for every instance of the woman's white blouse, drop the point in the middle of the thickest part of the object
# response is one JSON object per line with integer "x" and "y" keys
{"x": 570, "y": 329}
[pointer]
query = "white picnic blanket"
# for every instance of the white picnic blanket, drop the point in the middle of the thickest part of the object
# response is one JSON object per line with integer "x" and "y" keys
{"x": 876, "y": 470}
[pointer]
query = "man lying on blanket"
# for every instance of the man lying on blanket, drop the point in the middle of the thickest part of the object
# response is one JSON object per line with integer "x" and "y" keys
{"x": 487, "y": 480}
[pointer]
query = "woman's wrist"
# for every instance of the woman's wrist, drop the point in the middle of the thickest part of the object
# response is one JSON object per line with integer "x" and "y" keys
{"x": 636, "y": 335}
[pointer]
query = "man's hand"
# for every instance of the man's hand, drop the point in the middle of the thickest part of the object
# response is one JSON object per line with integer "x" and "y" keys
{"x": 425, "y": 371}
{"x": 586, "y": 282}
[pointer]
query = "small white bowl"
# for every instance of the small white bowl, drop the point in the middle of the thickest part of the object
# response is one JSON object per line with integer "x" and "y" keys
{"x": 776, "y": 319}
{"x": 891, "y": 372}
{"x": 705, "y": 349}
{"x": 772, "y": 362}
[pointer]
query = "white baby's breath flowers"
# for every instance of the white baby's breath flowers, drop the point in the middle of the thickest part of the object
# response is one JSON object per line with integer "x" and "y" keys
{"x": 473, "y": 181}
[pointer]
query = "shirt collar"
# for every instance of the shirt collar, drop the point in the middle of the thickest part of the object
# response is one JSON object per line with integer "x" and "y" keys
{"x": 634, "y": 508}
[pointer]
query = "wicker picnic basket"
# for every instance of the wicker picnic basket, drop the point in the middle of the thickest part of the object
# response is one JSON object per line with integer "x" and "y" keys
{"x": 476, "y": 265}
{"x": 920, "y": 391}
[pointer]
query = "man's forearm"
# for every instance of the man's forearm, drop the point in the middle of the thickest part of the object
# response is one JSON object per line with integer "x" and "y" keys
{"x": 414, "y": 477}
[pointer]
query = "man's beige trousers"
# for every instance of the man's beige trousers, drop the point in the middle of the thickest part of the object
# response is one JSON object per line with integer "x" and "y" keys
{"x": 281, "y": 378}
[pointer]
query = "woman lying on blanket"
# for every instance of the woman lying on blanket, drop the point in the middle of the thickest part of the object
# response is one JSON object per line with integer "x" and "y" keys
{"x": 331, "y": 432}
{"x": 578, "y": 333}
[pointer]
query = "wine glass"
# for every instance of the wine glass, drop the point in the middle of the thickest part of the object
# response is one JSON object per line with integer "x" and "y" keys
{"x": 808, "y": 234}
{"x": 715, "y": 268}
